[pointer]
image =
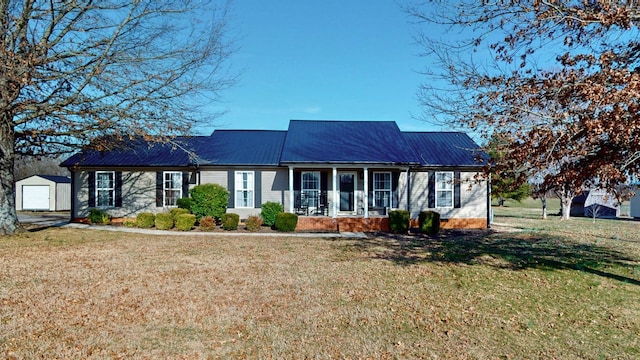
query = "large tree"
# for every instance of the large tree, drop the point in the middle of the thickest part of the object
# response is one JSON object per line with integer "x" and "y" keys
{"x": 75, "y": 72}
{"x": 561, "y": 78}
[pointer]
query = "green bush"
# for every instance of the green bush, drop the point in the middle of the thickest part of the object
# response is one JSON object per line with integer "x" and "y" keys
{"x": 286, "y": 222}
{"x": 164, "y": 221}
{"x": 230, "y": 221}
{"x": 269, "y": 211}
{"x": 253, "y": 223}
{"x": 209, "y": 199}
{"x": 178, "y": 211}
{"x": 207, "y": 223}
{"x": 130, "y": 223}
{"x": 145, "y": 220}
{"x": 399, "y": 221}
{"x": 98, "y": 216}
{"x": 184, "y": 203}
{"x": 429, "y": 222}
{"x": 185, "y": 222}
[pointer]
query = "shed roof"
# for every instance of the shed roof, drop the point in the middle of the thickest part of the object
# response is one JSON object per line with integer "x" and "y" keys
{"x": 445, "y": 149}
{"x": 378, "y": 142}
{"x": 53, "y": 178}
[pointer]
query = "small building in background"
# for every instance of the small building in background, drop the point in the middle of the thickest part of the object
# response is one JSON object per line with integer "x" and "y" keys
{"x": 634, "y": 202}
{"x": 598, "y": 203}
{"x": 43, "y": 193}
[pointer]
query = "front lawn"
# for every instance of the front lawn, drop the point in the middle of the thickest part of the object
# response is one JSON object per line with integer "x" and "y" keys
{"x": 551, "y": 289}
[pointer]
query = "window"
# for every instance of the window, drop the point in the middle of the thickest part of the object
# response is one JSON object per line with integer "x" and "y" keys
{"x": 105, "y": 189}
{"x": 382, "y": 189}
{"x": 444, "y": 189}
{"x": 311, "y": 188}
{"x": 244, "y": 189}
{"x": 172, "y": 188}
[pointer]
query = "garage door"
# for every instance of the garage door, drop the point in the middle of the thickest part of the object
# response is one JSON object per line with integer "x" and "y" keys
{"x": 35, "y": 197}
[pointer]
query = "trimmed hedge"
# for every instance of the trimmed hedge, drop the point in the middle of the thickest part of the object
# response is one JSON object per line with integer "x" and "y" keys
{"x": 286, "y": 222}
{"x": 253, "y": 223}
{"x": 178, "y": 211}
{"x": 399, "y": 221}
{"x": 269, "y": 211}
{"x": 145, "y": 220}
{"x": 230, "y": 221}
{"x": 209, "y": 199}
{"x": 98, "y": 216}
{"x": 185, "y": 222}
{"x": 429, "y": 222}
{"x": 164, "y": 221}
{"x": 207, "y": 223}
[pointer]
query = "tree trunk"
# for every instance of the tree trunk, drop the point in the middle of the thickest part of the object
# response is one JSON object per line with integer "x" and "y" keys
{"x": 565, "y": 201}
{"x": 544, "y": 207}
{"x": 8, "y": 217}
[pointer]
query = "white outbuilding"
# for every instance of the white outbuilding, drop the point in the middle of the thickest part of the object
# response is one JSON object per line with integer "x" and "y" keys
{"x": 44, "y": 193}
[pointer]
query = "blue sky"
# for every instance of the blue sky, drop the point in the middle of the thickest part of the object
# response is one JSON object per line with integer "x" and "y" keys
{"x": 322, "y": 60}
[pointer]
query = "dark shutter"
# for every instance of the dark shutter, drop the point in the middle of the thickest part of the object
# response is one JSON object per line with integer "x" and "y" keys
{"x": 92, "y": 189}
{"x": 456, "y": 189}
{"x": 323, "y": 181}
{"x": 257, "y": 189}
{"x": 297, "y": 181}
{"x": 231, "y": 184}
{"x": 159, "y": 197}
{"x": 432, "y": 190}
{"x": 185, "y": 184}
{"x": 395, "y": 176}
{"x": 118, "y": 179}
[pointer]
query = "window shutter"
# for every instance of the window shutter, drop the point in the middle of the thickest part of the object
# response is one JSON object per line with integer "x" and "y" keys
{"x": 395, "y": 176}
{"x": 257, "y": 189}
{"x": 92, "y": 189}
{"x": 118, "y": 184}
{"x": 231, "y": 186}
{"x": 159, "y": 179}
{"x": 323, "y": 181}
{"x": 185, "y": 184}
{"x": 432, "y": 190}
{"x": 456, "y": 189}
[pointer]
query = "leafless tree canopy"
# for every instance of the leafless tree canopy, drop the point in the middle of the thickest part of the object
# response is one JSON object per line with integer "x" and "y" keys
{"x": 75, "y": 72}
{"x": 560, "y": 78}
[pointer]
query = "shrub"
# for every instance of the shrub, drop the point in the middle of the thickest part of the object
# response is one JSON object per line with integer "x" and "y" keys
{"x": 178, "y": 211}
{"x": 184, "y": 203}
{"x": 230, "y": 221}
{"x": 253, "y": 223}
{"x": 130, "y": 223}
{"x": 145, "y": 220}
{"x": 207, "y": 223}
{"x": 286, "y": 222}
{"x": 185, "y": 222}
{"x": 209, "y": 199}
{"x": 97, "y": 216}
{"x": 399, "y": 221}
{"x": 429, "y": 222}
{"x": 164, "y": 221}
{"x": 269, "y": 211}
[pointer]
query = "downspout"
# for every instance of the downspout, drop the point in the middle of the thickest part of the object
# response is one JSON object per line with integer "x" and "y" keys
{"x": 291, "y": 195}
{"x": 366, "y": 192}
{"x": 489, "y": 202}
{"x": 409, "y": 190}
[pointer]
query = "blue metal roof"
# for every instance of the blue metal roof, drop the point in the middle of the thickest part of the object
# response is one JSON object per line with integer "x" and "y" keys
{"x": 243, "y": 147}
{"x": 138, "y": 152}
{"x": 57, "y": 178}
{"x": 445, "y": 149}
{"x": 379, "y": 142}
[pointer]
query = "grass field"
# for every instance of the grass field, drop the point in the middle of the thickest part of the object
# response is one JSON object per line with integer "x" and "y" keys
{"x": 539, "y": 289}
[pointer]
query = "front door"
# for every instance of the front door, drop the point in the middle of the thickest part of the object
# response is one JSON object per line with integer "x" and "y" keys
{"x": 347, "y": 191}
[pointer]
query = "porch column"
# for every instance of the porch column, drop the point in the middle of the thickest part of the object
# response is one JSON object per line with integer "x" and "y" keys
{"x": 366, "y": 193}
{"x": 291, "y": 194}
{"x": 334, "y": 180}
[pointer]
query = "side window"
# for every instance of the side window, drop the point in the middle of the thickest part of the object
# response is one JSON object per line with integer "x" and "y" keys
{"x": 172, "y": 188}
{"x": 444, "y": 189}
{"x": 244, "y": 183}
{"x": 105, "y": 189}
{"x": 382, "y": 189}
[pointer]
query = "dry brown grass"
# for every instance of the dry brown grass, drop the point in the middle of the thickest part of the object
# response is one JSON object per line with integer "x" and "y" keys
{"x": 68, "y": 293}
